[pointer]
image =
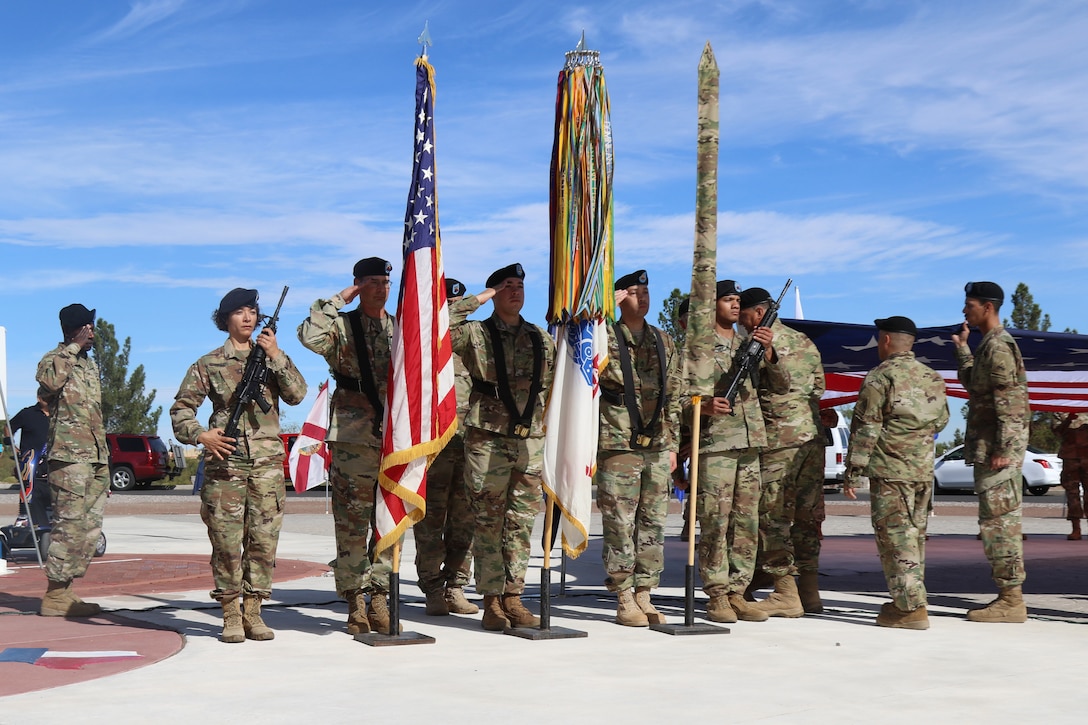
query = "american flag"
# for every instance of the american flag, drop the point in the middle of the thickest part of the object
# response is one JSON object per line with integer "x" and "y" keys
{"x": 1056, "y": 362}
{"x": 421, "y": 405}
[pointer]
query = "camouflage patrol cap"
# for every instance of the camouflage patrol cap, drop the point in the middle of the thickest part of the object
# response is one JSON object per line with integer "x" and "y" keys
{"x": 985, "y": 291}
{"x": 727, "y": 287}
{"x": 454, "y": 288}
{"x": 500, "y": 275}
{"x": 897, "y": 323}
{"x": 630, "y": 280}
{"x": 75, "y": 316}
{"x": 371, "y": 267}
{"x": 684, "y": 306}
{"x": 754, "y": 296}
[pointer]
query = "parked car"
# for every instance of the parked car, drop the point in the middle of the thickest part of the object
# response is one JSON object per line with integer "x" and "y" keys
{"x": 136, "y": 460}
{"x": 838, "y": 440}
{"x": 288, "y": 441}
{"x": 1041, "y": 472}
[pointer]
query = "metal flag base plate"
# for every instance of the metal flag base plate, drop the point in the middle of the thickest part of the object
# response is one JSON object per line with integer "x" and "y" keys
{"x": 380, "y": 639}
{"x": 689, "y": 629}
{"x": 549, "y": 633}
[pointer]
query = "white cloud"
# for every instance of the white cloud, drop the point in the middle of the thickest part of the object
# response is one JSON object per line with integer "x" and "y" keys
{"x": 141, "y": 15}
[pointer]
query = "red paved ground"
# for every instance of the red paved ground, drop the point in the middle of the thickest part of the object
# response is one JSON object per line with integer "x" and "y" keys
{"x": 21, "y": 627}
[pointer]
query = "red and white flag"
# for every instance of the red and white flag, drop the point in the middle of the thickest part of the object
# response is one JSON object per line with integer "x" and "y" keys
{"x": 421, "y": 404}
{"x": 309, "y": 461}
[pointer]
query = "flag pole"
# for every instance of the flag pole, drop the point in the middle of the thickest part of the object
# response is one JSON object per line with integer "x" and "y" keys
{"x": 699, "y": 345}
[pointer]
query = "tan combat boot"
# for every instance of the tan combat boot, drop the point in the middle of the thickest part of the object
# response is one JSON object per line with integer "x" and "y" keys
{"x": 628, "y": 612}
{"x": 718, "y": 610}
{"x": 377, "y": 612}
{"x": 516, "y": 612}
{"x": 808, "y": 589}
{"x": 896, "y": 618}
{"x": 746, "y": 611}
{"x": 456, "y": 602}
{"x": 494, "y": 617}
{"x": 436, "y": 604}
{"x": 252, "y": 624}
{"x": 642, "y": 599}
{"x": 760, "y": 580}
{"x": 784, "y": 601}
{"x": 233, "y": 631}
{"x": 357, "y": 621}
{"x": 59, "y": 601}
{"x": 1008, "y": 607}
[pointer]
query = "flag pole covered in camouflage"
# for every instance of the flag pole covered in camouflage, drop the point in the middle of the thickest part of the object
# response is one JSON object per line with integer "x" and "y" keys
{"x": 581, "y": 299}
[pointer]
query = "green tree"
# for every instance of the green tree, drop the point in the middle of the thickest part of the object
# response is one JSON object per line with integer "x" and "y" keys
{"x": 669, "y": 318}
{"x": 125, "y": 406}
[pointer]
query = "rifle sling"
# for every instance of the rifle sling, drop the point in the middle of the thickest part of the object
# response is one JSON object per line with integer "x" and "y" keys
{"x": 520, "y": 423}
{"x": 365, "y": 384}
{"x": 641, "y": 435}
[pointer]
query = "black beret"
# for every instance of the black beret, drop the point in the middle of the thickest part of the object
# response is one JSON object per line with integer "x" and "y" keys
{"x": 499, "y": 275}
{"x": 900, "y": 324}
{"x": 630, "y": 280}
{"x": 727, "y": 287}
{"x": 754, "y": 296}
{"x": 75, "y": 316}
{"x": 454, "y": 288}
{"x": 990, "y": 291}
{"x": 236, "y": 299}
{"x": 371, "y": 267}
{"x": 685, "y": 304}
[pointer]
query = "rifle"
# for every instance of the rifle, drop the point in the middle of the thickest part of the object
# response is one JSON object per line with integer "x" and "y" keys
{"x": 749, "y": 358}
{"x": 253, "y": 379}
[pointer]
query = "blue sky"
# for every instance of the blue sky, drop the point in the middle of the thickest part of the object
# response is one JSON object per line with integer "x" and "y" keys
{"x": 157, "y": 153}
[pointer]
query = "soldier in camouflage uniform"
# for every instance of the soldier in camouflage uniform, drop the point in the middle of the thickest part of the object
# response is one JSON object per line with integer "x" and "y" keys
{"x": 356, "y": 345}
{"x": 1072, "y": 429}
{"x": 78, "y": 461}
{"x": 729, "y": 446}
{"x": 995, "y": 443}
{"x": 636, "y": 451}
{"x": 444, "y": 536}
{"x": 900, "y": 407}
{"x": 242, "y": 499}
{"x": 504, "y": 438}
{"x": 791, "y": 467}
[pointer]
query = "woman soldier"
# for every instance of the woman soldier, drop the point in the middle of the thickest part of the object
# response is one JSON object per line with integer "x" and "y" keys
{"x": 243, "y": 493}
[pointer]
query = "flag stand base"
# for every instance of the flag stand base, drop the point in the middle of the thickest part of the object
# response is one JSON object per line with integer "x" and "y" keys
{"x": 545, "y": 631}
{"x": 388, "y": 639}
{"x": 689, "y": 626}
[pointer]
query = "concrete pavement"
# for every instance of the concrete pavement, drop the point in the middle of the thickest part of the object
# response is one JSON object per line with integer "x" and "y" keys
{"x": 833, "y": 668}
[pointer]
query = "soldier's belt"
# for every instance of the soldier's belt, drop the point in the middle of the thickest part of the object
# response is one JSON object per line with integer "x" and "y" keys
{"x": 641, "y": 441}
{"x": 485, "y": 388}
{"x": 520, "y": 430}
{"x": 343, "y": 381}
{"x": 612, "y": 397}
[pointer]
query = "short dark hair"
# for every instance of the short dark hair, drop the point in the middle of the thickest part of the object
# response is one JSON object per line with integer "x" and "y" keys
{"x": 220, "y": 318}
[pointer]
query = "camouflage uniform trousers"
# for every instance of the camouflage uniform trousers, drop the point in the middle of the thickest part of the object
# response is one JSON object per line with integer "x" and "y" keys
{"x": 79, "y": 498}
{"x": 444, "y": 536}
{"x": 900, "y": 512}
{"x": 353, "y": 478}
{"x": 633, "y": 498}
{"x": 1000, "y": 496}
{"x": 790, "y": 498}
{"x": 728, "y": 512}
{"x": 1075, "y": 482}
{"x": 502, "y": 475}
{"x": 241, "y": 503}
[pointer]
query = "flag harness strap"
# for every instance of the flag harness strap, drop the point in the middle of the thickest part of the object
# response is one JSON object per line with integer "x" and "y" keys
{"x": 641, "y": 435}
{"x": 520, "y": 423}
{"x": 365, "y": 383}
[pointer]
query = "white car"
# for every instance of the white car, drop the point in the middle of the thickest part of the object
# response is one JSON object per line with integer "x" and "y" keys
{"x": 1041, "y": 471}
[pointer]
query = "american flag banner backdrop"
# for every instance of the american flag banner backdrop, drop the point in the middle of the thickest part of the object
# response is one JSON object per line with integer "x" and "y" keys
{"x": 309, "y": 460}
{"x": 1056, "y": 362}
{"x": 421, "y": 405}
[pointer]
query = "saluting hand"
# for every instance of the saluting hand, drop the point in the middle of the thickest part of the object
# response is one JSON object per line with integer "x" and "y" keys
{"x": 621, "y": 295}
{"x": 84, "y": 337}
{"x": 218, "y": 444}
{"x": 961, "y": 338}
{"x": 349, "y": 293}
